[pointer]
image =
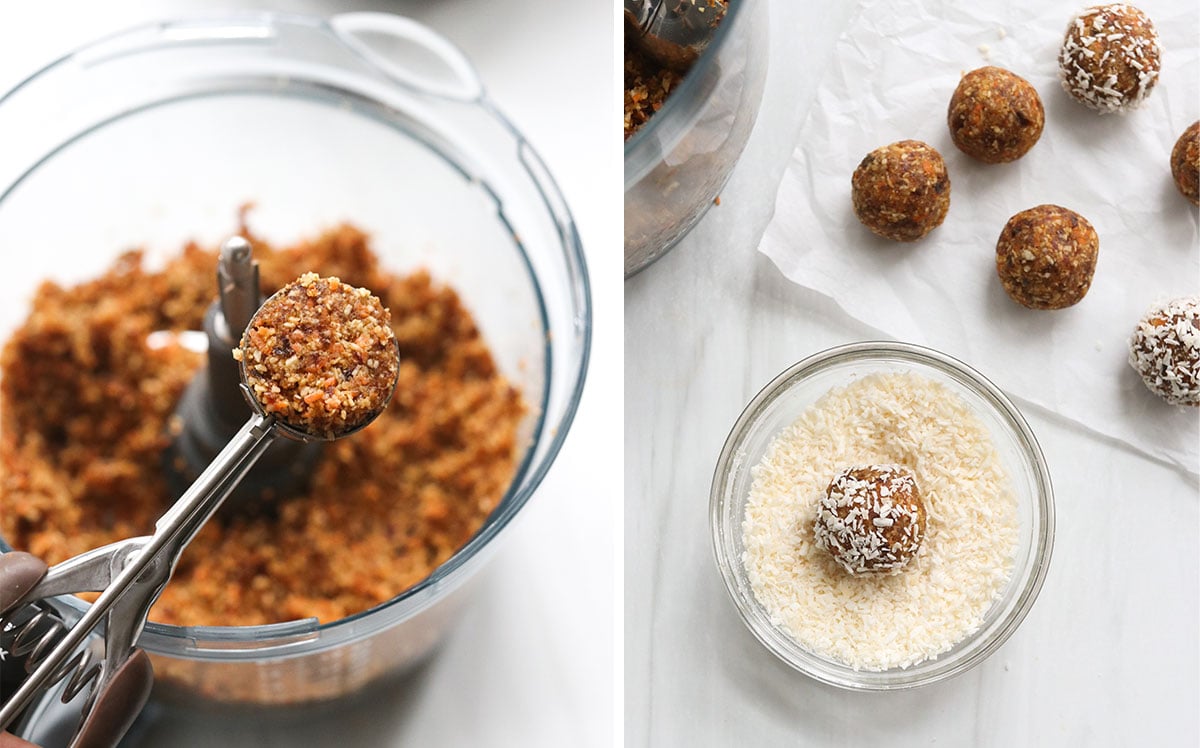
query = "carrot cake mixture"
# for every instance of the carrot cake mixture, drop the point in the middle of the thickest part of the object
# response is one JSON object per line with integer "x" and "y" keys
{"x": 995, "y": 115}
{"x": 320, "y": 356}
{"x": 1046, "y": 257}
{"x": 647, "y": 85}
{"x": 1110, "y": 58}
{"x": 86, "y": 409}
{"x": 652, "y": 72}
{"x": 901, "y": 191}
{"x": 871, "y": 518}
{"x": 1185, "y": 163}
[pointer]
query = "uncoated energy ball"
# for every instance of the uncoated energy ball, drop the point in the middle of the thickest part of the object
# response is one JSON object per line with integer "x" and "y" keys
{"x": 1185, "y": 163}
{"x": 1110, "y": 57}
{"x": 995, "y": 116}
{"x": 901, "y": 191}
{"x": 1165, "y": 350}
{"x": 1046, "y": 256}
{"x": 320, "y": 355}
{"x": 872, "y": 518}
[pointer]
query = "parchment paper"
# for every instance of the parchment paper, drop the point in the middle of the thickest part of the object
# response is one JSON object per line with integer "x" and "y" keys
{"x": 892, "y": 77}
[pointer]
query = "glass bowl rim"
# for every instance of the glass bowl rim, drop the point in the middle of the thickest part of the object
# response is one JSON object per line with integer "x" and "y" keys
{"x": 1042, "y": 508}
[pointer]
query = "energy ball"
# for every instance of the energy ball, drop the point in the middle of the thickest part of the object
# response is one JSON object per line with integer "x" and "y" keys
{"x": 1165, "y": 351}
{"x": 995, "y": 116}
{"x": 1110, "y": 58}
{"x": 320, "y": 356}
{"x": 1185, "y": 163}
{"x": 1046, "y": 256}
{"x": 901, "y": 191}
{"x": 872, "y": 519}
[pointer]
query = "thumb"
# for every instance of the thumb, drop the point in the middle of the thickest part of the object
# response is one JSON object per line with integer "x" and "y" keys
{"x": 11, "y": 741}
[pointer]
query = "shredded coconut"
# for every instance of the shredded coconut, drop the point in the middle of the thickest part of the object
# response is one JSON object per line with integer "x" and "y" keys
{"x": 877, "y": 622}
{"x": 1129, "y": 57}
{"x": 1165, "y": 350}
{"x": 857, "y": 516}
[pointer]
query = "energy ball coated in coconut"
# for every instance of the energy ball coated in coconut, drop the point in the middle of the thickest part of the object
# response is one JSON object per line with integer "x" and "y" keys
{"x": 901, "y": 191}
{"x": 1046, "y": 256}
{"x": 1110, "y": 58}
{"x": 995, "y": 116}
{"x": 1185, "y": 163}
{"x": 1165, "y": 350}
{"x": 872, "y": 518}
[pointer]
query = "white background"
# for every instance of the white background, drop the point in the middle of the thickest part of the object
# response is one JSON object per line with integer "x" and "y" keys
{"x": 1108, "y": 656}
{"x": 532, "y": 662}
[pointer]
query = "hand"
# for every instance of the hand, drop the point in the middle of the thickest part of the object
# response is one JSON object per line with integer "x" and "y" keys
{"x": 120, "y": 698}
{"x": 19, "y": 573}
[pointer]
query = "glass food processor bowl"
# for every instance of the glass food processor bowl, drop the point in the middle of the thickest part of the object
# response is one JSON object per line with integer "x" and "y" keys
{"x": 156, "y": 135}
{"x": 677, "y": 163}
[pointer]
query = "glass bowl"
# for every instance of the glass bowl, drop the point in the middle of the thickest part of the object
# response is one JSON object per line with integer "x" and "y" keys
{"x": 677, "y": 163}
{"x": 156, "y": 135}
{"x": 782, "y": 401}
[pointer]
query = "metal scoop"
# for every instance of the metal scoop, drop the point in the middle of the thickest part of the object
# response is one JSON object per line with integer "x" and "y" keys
{"x": 212, "y": 409}
{"x": 131, "y": 574}
{"x": 672, "y": 32}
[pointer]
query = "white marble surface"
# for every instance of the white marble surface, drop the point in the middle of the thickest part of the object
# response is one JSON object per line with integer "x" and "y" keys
{"x": 531, "y": 662}
{"x": 1108, "y": 656}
